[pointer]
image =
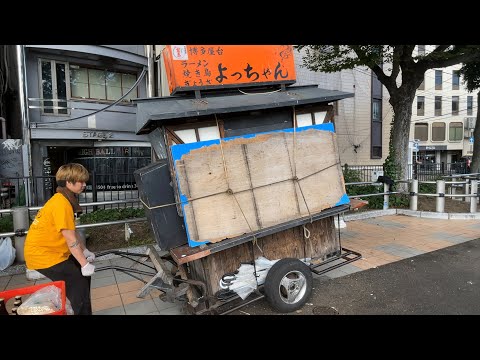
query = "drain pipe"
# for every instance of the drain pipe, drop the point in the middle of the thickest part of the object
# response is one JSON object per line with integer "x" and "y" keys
{"x": 151, "y": 71}
{"x": 22, "y": 92}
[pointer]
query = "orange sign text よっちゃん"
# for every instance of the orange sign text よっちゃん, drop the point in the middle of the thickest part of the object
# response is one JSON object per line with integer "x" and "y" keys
{"x": 197, "y": 67}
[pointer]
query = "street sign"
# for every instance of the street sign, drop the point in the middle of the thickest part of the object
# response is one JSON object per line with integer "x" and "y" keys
{"x": 471, "y": 139}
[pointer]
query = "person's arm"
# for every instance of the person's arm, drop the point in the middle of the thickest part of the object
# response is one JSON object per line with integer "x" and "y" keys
{"x": 75, "y": 245}
{"x": 90, "y": 256}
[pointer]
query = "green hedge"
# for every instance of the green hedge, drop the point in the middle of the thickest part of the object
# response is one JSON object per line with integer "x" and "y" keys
{"x": 6, "y": 223}
{"x": 374, "y": 202}
{"x": 106, "y": 215}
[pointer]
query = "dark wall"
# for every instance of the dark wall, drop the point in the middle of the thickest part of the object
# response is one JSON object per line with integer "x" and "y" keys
{"x": 251, "y": 122}
{"x": 9, "y": 101}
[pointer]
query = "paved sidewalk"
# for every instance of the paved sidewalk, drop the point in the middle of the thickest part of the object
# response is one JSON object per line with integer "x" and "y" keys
{"x": 380, "y": 240}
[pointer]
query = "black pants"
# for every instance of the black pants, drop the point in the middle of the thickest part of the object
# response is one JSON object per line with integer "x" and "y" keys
{"x": 77, "y": 286}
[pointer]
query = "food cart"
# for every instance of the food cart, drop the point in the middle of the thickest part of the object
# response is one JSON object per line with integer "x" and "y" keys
{"x": 242, "y": 177}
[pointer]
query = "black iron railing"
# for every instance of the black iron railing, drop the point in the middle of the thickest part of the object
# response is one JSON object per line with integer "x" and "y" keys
{"x": 35, "y": 191}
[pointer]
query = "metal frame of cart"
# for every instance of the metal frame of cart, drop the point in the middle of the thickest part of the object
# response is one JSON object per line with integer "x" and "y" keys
{"x": 173, "y": 280}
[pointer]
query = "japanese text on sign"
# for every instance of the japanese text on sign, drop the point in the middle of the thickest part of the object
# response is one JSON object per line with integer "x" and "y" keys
{"x": 196, "y": 67}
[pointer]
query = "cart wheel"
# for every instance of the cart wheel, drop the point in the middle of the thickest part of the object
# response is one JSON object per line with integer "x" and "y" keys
{"x": 288, "y": 285}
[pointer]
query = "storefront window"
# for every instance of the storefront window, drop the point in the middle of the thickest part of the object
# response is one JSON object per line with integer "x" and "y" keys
{"x": 112, "y": 167}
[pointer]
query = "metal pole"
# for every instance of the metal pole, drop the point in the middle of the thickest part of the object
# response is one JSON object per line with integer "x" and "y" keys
{"x": 473, "y": 199}
{"x": 20, "y": 222}
{"x": 453, "y": 189}
{"x": 22, "y": 95}
{"x": 440, "y": 205}
{"x": 150, "y": 54}
{"x": 467, "y": 190}
{"x": 386, "y": 189}
{"x": 414, "y": 195}
{"x": 94, "y": 189}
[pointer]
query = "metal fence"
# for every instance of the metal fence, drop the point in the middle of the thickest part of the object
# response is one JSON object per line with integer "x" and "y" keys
{"x": 35, "y": 191}
{"x": 434, "y": 171}
{"x": 362, "y": 173}
{"x": 422, "y": 172}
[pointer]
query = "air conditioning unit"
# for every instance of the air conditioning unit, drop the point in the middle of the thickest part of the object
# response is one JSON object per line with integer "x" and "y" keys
{"x": 470, "y": 122}
{"x": 375, "y": 174}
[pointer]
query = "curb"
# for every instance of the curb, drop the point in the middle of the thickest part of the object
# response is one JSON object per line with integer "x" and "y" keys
{"x": 406, "y": 212}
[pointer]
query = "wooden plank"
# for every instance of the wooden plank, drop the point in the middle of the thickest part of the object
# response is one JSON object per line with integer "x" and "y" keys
{"x": 247, "y": 183}
{"x": 184, "y": 254}
{"x": 357, "y": 203}
{"x": 288, "y": 243}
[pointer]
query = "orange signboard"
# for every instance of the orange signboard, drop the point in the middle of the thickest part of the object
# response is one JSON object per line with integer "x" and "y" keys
{"x": 197, "y": 67}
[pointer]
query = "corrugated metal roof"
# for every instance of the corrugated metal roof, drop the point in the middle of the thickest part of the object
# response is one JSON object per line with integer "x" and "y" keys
{"x": 152, "y": 110}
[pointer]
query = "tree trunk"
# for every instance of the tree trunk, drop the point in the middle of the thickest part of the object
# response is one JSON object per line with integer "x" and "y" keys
{"x": 402, "y": 108}
{"x": 475, "y": 165}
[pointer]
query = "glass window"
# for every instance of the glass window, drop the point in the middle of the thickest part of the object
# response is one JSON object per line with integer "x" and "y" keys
{"x": 98, "y": 84}
{"x": 455, "y": 131}
{"x": 127, "y": 82}
{"x": 47, "y": 91}
{"x": 455, "y": 105}
{"x": 438, "y": 131}
{"x": 376, "y": 129}
{"x": 376, "y": 152}
{"x": 420, "y": 105}
{"x": 438, "y": 79}
{"x": 420, "y": 50}
{"x": 469, "y": 105}
{"x": 455, "y": 79}
{"x": 60, "y": 70}
{"x": 438, "y": 105}
{"x": 53, "y": 86}
{"x": 79, "y": 82}
{"x": 113, "y": 166}
{"x": 113, "y": 82}
{"x": 421, "y": 131}
{"x": 96, "y": 81}
{"x": 376, "y": 110}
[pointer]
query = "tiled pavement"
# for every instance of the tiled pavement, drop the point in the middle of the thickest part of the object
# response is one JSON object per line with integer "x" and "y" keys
{"x": 380, "y": 240}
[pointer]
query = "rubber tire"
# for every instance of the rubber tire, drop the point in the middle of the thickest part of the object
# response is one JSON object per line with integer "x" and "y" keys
{"x": 272, "y": 282}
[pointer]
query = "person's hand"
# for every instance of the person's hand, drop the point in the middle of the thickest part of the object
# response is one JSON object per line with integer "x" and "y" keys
{"x": 90, "y": 256}
{"x": 88, "y": 269}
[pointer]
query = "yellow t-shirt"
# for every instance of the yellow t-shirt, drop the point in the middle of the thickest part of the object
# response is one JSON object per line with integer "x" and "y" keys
{"x": 45, "y": 245}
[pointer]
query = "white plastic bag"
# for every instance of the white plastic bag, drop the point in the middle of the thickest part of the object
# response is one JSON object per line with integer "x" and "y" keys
{"x": 44, "y": 301}
{"x": 244, "y": 281}
{"x": 7, "y": 252}
{"x": 34, "y": 275}
{"x": 68, "y": 307}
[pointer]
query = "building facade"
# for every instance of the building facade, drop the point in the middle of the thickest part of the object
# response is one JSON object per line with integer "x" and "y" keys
{"x": 72, "y": 104}
{"x": 362, "y": 122}
{"x": 443, "y": 116}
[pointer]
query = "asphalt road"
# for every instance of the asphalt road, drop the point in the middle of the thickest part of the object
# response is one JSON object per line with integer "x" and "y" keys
{"x": 442, "y": 282}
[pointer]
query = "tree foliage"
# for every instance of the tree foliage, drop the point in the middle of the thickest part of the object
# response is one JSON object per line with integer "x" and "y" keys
{"x": 398, "y": 70}
{"x": 470, "y": 73}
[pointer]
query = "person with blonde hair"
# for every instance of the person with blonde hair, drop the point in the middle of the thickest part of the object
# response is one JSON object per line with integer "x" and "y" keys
{"x": 52, "y": 246}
